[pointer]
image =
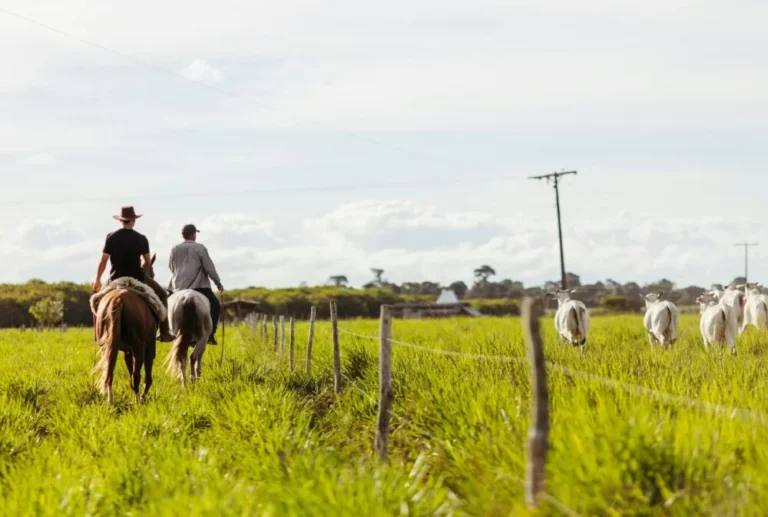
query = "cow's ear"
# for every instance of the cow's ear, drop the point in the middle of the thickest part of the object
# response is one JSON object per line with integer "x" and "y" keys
{"x": 154, "y": 257}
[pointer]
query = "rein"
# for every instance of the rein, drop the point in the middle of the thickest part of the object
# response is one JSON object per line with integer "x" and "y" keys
{"x": 223, "y": 329}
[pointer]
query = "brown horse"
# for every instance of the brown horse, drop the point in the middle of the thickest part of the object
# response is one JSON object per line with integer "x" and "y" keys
{"x": 125, "y": 321}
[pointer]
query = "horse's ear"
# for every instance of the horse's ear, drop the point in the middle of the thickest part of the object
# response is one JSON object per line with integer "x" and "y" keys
{"x": 154, "y": 257}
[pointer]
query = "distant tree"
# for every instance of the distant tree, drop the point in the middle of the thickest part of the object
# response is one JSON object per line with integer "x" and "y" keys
{"x": 484, "y": 272}
{"x": 377, "y": 276}
{"x": 572, "y": 280}
{"x": 665, "y": 285}
{"x": 460, "y": 288}
{"x": 510, "y": 289}
{"x": 338, "y": 280}
{"x": 49, "y": 311}
{"x": 432, "y": 288}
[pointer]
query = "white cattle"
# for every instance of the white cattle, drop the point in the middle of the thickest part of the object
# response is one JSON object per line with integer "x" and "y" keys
{"x": 661, "y": 320}
{"x": 719, "y": 322}
{"x": 756, "y": 308}
{"x": 733, "y": 297}
{"x": 571, "y": 318}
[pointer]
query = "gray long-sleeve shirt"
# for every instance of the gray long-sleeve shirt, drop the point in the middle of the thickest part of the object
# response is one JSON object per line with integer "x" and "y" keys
{"x": 191, "y": 265}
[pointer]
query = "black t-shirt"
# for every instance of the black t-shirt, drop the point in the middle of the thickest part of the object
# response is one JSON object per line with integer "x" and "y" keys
{"x": 125, "y": 248}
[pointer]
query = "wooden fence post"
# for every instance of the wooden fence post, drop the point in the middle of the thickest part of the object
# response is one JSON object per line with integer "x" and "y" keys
{"x": 252, "y": 321}
{"x": 291, "y": 353}
{"x": 274, "y": 333}
{"x": 264, "y": 327}
{"x": 312, "y": 315}
{"x": 282, "y": 334}
{"x": 336, "y": 349}
{"x": 385, "y": 383}
{"x": 538, "y": 434}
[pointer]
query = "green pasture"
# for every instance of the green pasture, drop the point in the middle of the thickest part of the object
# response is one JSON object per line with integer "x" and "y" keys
{"x": 252, "y": 438}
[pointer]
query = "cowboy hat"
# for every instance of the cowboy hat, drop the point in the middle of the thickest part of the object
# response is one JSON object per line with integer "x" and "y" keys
{"x": 127, "y": 214}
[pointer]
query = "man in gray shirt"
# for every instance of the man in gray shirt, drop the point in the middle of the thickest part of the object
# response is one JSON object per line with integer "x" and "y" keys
{"x": 190, "y": 267}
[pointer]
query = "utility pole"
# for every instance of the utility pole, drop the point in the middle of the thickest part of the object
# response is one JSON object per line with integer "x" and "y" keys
{"x": 746, "y": 246}
{"x": 555, "y": 178}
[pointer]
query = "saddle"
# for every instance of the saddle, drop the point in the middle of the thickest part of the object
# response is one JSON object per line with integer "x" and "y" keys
{"x": 137, "y": 287}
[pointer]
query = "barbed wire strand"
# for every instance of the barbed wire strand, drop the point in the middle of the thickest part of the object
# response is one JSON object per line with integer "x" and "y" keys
{"x": 559, "y": 505}
{"x": 718, "y": 409}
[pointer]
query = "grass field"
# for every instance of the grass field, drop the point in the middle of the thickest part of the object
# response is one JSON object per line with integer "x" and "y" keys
{"x": 253, "y": 439}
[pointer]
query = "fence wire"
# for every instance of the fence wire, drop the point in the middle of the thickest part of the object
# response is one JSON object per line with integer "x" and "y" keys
{"x": 745, "y": 415}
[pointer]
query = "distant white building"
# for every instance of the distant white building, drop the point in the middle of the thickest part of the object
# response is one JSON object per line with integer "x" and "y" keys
{"x": 447, "y": 296}
{"x": 447, "y": 305}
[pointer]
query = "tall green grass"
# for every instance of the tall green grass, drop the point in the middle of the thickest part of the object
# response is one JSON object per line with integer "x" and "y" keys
{"x": 251, "y": 438}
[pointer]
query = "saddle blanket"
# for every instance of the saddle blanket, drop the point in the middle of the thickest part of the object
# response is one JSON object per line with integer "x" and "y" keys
{"x": 133, "y": 285}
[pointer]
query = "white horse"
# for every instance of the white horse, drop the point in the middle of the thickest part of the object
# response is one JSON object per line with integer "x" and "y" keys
{"x": 189, "y": 317}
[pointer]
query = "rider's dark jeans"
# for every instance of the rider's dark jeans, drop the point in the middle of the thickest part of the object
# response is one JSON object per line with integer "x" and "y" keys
{"x": 215, "y": 305}
{"x": 163, "y": 295}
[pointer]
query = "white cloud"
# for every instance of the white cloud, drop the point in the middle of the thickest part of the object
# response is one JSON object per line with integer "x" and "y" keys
{"x": 251, "y": 250}
{"x": 38, "y": 159}
{"x": 202, "y": 71}
{"x": 669, "y": 124}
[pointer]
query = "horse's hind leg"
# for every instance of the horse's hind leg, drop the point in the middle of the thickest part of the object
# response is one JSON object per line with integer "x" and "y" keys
{"x": 193, "y": 366}
{"x": 128, "y": 357}
{"x": 136, "y": 377}
{"x": 148, "y": 377}
{"x": 198, "y": 366}
{"x": 183, "y": 368}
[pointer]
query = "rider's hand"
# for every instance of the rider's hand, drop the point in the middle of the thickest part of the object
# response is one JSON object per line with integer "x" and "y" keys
{"x": 97, "y": 286}
{"x": 221, "y": 288}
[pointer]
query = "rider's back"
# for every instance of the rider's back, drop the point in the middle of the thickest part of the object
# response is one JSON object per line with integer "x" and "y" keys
{"x": 125, "y": 248}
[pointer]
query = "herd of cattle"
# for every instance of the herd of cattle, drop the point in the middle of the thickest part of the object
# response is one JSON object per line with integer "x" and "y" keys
{"x": 725, "y": 313}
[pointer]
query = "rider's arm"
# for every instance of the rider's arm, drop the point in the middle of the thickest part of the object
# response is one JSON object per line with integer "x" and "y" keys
{"x": 145, "y": 255}
{"x": 170, "y": 261}
{"x": 209, "y": 268}
{"x": 105, "y": 252}
{"x": 102, "y": 267}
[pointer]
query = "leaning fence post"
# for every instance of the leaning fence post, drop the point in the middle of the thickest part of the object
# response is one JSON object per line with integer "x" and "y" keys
{"x": 336, "y": 350}
{"x": 274, "y": 333}
{"x": 538, "y": 434}
{"x": 282, "y": 334}
{"x": 312, "y": 315}
{"x": 385, "y": 383}
{"x": 290, "y": 344}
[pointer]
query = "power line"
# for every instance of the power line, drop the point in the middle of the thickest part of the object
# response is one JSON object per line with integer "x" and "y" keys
{"x": 256, "y": 192}
{"x": 201, "y": 85}
{"x": 555, "y": 177}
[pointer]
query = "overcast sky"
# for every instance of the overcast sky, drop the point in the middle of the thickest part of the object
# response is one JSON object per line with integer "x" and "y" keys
{"x": 661, "y": 106}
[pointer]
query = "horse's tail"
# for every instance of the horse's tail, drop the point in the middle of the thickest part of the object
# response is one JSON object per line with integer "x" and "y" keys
{"x": 109, "y": 323}
{"x": 183, "y": 341}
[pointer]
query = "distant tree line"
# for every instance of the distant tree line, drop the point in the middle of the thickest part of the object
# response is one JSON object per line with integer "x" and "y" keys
{"x": 37, "y": 302}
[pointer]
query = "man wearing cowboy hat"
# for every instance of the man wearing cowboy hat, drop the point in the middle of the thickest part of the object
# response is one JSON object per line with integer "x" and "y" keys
{"x": 191, "y": 266}
{"x": 125, "y": 249}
